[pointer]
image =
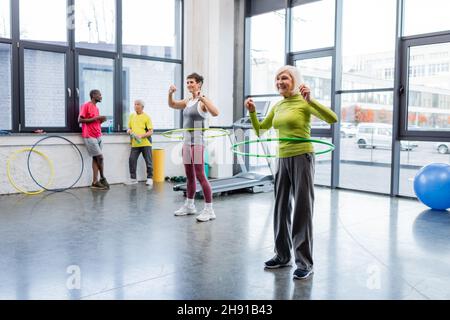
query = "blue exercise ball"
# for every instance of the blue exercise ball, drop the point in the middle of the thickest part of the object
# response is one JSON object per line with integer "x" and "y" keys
{"x": 432, "y": 186}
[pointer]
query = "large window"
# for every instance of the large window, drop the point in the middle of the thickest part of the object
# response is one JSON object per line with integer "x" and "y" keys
{"x": 5, "y": 87}
{"x": 98, "y": 73}
{"x": 95, "y": 24}
{"x": 313, "y": 25}
{"x": 368, "y": 64}
{"x": 162, "y": 22}
{"x": 365, "y": 150}
{"x": 43, "y": 21}
{"x": 267, "y": 47}
{"x": 5, "y": 19}
{"x": 387, "y": 60}
{"x": 149, "y": 81}
{"x": 426, "y": 16}
{"x": 368, "y": 41}
{"x": 429, "y": 87}
{"x": 54, "y": 52}
{"x": 44, "y": 89}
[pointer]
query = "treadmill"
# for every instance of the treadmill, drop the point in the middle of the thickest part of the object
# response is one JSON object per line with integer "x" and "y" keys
{"x": 244, "y": 181}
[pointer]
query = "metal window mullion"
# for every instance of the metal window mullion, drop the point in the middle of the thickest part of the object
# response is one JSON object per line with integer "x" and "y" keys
{"x": 426, "y": 35}
{"x": 15, "y": 67}
{"x": 239, "y": 58}
{"x": 314, "y": 53}
{"x": 397, "y": 118}
{"x": 237, "y": 165}
{"x": 71, "y": 107}
{"x": 268, "y": 95}
{"x": 287, "y": 31}
{"x": 364, "y": 90}
{"x": 118, "y": 63}
{"x": 95, "y": 53}
{"x": 183, "y": 12}
{"x": 247, "y": 57}
{"x": 432, "y": 39}
{"x": 179, "y": 28}
{"x": 336, "y": 98}
{"x": 151, "y": 58}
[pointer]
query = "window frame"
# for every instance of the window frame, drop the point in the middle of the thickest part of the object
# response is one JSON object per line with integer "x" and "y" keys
{"x": 67, "y": 95}
{"x": 178, "y": 116}
{"x": 403, "y": 83}
{"x": 94, "y": 54}
{"x": 397, "y": 89}
{"x": 71, "y": 70}
{"x": 12, "y": 78}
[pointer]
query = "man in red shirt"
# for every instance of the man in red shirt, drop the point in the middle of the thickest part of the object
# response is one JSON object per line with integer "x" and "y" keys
{"x": 91, "y": 131}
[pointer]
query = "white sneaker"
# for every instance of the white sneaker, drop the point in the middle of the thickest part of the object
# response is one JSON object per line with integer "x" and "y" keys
{"x": 131, "y": 182}
{"x": 185, "y": 210}
{"x": 206, "y": 215}
{"x": 149, "y": 182}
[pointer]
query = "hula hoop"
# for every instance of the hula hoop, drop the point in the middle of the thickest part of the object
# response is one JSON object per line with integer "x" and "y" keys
{"x": 170, "y": 134}
{"x": 61, "y": 189}
{"x": 8, "y": 171}
{"x": 300, "y": 140}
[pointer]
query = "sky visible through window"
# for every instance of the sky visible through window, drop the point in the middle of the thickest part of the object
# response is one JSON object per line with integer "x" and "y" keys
{"x": 144, "y": 22}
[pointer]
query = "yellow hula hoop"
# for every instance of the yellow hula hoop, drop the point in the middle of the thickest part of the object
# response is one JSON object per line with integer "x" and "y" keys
{"x": 12, "y": 157}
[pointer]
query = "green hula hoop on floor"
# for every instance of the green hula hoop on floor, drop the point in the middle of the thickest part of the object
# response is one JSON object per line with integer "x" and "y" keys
{"x": 171, "y": 134}
{"x": 300, "y": 140}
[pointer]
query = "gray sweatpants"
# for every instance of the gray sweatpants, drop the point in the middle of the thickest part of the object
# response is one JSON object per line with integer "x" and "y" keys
{"x": 294, "y": 191}
{"x": 134, "y": 155}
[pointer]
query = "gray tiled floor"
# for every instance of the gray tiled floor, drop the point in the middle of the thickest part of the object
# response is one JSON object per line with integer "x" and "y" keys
{"x": 128, "y": 245}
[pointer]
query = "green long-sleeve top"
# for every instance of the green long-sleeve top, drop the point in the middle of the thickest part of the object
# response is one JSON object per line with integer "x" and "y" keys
{"x": 291, "y": 117}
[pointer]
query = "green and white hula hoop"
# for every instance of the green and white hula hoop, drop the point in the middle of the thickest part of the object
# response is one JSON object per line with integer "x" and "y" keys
{"x": 299, "y": 140}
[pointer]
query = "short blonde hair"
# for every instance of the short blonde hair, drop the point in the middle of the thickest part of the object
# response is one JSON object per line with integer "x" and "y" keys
{"x": 297, "y": 78}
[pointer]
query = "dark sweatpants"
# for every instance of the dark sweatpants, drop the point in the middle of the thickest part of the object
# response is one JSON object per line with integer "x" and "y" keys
{"x": 134, "y": 155}
{"x": 294, "y": 180}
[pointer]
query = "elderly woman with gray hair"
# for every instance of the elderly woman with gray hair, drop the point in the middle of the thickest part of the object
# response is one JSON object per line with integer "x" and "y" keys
{"x": 294, "y": 179}
{"x": 140, "y": 129}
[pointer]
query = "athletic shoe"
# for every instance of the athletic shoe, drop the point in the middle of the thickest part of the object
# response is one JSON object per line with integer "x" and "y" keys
{"x": 206, "y": 215}
{"x": 275, "y": 263}
{"x": 300, "y": 274}
{"x": 185, "y": 210}
{"x": 104, "y": 182}
{"x": 131, "y": 182}
{"x": 98, "y": 186}
{"x": 149, "y": 182}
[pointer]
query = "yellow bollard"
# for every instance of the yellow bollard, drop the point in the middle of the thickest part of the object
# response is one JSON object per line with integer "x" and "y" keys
{"x": 158, "y": 164}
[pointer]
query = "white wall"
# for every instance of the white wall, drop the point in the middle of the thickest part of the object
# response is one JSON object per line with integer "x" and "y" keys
{"x": 209, "y": 41}
{"x": 209, "y": 51}
{"x": 67, "y": 163}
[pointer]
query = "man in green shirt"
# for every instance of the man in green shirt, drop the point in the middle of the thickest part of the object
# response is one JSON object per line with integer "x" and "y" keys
{"x": 140, "y": 129}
